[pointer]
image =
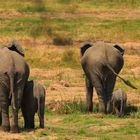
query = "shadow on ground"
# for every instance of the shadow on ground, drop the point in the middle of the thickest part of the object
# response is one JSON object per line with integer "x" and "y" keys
{"x": 131, "y": 109}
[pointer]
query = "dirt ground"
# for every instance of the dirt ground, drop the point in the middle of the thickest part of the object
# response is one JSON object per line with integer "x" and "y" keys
{"x": 72, "y": 90}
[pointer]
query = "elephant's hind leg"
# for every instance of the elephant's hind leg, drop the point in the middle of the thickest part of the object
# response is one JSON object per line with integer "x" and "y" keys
{"x": 41, "y": 109}
{"x": 89, "y": 95}
{"x": 101, "y": 94}
{"x": 0, "y": 118}
{"x": 14, "y": 127}
{"x": 5, "y": 118}
{"x": 29, "y": 123}
{"x": 109, "y": 86}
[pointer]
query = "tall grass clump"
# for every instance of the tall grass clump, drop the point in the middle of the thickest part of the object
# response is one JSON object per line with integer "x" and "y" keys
{"x": 114, "y": 3}
{"x": 74, "y": 106}
{"x": 70, "y": 59}
{"x": 132, "y": 111}
{"x": 42, "y": 29}
{"x": 70, "y": 107}
{"x": 59, "y": 40}
{"x": 33, "y": 6}
{"x": 39, "y": 30}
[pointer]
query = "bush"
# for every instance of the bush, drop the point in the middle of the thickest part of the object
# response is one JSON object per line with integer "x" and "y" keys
{"x": 70, "y": 59}
{"x": 62, "y": 41}
{"x": 69, "y": 107}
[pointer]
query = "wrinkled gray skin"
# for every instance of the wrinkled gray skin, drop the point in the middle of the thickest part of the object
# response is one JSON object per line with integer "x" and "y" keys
{"x": 6, "y": 85}
{"x": 16, "y": 73}
{"x": 33, "y": 101}
{"x": 119, "y": 99}
{"x": 95, "y": 60}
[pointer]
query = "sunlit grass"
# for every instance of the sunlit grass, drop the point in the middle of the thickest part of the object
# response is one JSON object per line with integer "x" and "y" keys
{"x": 81, "y": 28}
{"x": 63, "y": 5}
{"x": 88, "y": 126}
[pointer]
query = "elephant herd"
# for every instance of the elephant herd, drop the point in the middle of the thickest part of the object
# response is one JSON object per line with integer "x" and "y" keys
{"x": 101, "y": 64}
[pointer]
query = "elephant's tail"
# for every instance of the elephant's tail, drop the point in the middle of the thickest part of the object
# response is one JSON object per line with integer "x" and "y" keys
{"x": 11, "y": 93}
{"x": 39, "y": 102}
{"x": 127, "y": 82}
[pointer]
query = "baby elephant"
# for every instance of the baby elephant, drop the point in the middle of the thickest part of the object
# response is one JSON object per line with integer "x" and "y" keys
{"x": 33, "y": 101}
{"x": 119, "y": 99}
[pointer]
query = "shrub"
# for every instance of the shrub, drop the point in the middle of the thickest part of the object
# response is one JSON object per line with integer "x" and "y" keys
{"x": 70, "y": 59}
{"x": 62, "y": 41}
{"x": 69, "y": 107}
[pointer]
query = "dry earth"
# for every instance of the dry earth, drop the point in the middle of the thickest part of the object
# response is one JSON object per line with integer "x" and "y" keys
{"x": 101, "y": 14}
{"x": 65, "y": 91}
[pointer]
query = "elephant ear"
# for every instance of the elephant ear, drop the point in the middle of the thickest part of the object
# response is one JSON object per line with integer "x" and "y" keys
{"x": 15, "y": 46}
{"x": 119, "y": 48}
{"x": 85, "y": 46}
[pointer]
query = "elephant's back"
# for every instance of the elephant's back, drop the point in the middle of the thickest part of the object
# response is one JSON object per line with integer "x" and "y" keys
{"x": 39, "y": 90}
{"x": 119, "y": 94}
{"x": 6, "y": 61}
{"x": 96, "y": 58}
{"x": 94, "y": 55}
{"x": 115, "y": 59}
{"x": 101, "y": 52}
{"x": 20, "y": 64}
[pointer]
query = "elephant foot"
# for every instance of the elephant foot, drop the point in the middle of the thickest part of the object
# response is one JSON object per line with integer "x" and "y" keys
{"x": 41, "y": 126}
{"x": 14, "y": 129}
{"x": 5, "y": 128}
{"x": 90, "y": 109}
{"x": 102, "y": 109}
{"x": 29, "y": 127}
{"x": 120, "y": 115}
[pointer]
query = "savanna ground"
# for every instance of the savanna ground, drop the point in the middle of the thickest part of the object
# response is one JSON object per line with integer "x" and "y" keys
{"x": 51, "y": 32}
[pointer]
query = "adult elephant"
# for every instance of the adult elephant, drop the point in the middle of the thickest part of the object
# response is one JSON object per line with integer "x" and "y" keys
{"x": 6, "y": 85}
{"x": 101, "y": 64}
{"x": 12, "y": 87}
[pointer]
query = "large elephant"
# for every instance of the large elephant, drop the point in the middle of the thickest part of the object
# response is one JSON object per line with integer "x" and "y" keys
{"x": 13, "y": 79}
{"x": 6, "y": 85}
{"x": 33, "y": 101}
{"x": 101, "y": 64}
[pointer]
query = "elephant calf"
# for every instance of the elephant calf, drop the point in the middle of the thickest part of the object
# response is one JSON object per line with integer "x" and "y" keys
{"x": 33, "y": 101}
{"x": 119, "y": 99}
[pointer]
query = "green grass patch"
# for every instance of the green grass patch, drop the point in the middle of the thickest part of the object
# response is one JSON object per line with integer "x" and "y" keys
{"x": 80, "y": 28}
{"x": 82, "y": 125}
{"x": 70, "y": 59}
{"x": 65, "y": 5}
{"x": 78, "y": 126}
